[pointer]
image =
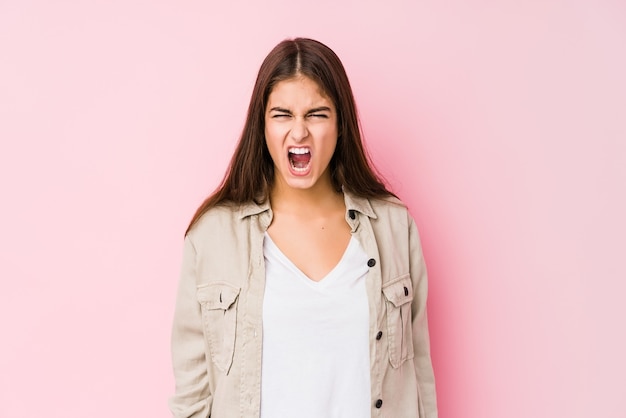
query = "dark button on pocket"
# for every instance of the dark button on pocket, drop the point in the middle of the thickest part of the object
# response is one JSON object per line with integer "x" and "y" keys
{"x": 379, "y": 403}
{"x": 406, "y": 291}
{"x": 379, "y": 335}
{"x": 371, "y": 262}
{"x": 351, "y": 214}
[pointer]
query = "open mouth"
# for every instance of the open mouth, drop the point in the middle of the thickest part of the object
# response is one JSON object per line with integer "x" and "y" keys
{"x": 300, "y": 159}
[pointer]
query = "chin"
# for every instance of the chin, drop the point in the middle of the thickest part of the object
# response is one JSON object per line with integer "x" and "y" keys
{"x": 300, "y": 183}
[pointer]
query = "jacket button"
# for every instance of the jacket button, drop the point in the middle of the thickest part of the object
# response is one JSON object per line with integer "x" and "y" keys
{"x": 406, "y": 291}
{"x": 351, "y": 214}
{"x": 379, "y": 335}
{"x": 379, "y": 403}
{"x": 371, "y": 262}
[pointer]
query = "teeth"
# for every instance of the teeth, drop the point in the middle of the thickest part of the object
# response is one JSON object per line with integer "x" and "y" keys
{"x": 299, "y": 151}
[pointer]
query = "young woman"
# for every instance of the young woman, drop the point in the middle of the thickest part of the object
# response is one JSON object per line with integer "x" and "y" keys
{"x": 303, "y": 288}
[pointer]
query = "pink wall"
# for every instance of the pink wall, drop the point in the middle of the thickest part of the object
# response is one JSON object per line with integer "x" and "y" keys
{"x": 502, "y": 125}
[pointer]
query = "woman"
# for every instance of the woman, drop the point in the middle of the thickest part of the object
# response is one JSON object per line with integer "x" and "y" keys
{"x": 303, "y": 288}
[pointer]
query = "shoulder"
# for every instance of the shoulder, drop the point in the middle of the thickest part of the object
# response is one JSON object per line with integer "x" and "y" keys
{"x": 218, "y": 214}
{"x": 391, "y": 210}
{"x": 228, "y": 220}
{"x": 221, "y": 242}
{"x": 390, "y": 202}
{"x": 217, "y": 221}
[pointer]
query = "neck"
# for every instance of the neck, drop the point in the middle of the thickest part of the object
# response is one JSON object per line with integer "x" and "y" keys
{"x": 318, "y": 199}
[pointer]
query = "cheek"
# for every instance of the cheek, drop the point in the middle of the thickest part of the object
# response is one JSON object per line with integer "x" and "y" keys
{"x": 273, "y": 132}
{"x": 329, "y": 140}
{"x": 273, "y": 143}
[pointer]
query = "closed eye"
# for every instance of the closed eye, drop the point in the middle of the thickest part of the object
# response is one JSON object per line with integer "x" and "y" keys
{"x": 322, "y": 112}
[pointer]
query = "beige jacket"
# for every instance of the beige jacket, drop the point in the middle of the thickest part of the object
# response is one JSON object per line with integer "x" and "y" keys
{"x": 217, "y": 332}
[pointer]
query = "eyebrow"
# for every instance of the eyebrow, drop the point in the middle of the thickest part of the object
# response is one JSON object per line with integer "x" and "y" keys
{"x": 314, "y": 110}
{"x": 319, "y": 109}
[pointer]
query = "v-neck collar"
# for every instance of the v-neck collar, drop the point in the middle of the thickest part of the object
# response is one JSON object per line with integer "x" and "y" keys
{"x": 329, "y": 277}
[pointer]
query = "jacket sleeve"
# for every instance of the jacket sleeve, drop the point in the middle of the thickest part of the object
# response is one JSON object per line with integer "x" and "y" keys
{"x": 192, "y": 398}
{"x": 421, "y": 340}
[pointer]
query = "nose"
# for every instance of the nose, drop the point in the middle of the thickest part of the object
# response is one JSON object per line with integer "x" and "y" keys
{"x": 299, "y": 130}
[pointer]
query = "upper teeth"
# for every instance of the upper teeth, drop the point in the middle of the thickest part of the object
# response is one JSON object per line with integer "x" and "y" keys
{"x": 299, "y": 150}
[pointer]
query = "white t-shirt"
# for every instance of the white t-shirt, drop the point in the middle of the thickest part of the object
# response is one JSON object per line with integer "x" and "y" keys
{"x": 315, "y": 339}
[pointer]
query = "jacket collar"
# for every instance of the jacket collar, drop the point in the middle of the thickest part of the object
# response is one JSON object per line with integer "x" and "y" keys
{"x": 253, "y": 208}
{"x": 359, "y": 204}
{"x": 353, "y": 202}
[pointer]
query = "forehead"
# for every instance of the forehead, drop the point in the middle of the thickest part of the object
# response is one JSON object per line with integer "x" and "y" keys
{"x": 298, "y": 91}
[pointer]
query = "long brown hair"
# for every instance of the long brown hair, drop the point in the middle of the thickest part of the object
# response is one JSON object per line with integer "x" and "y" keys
{"x": 251, "y": 170}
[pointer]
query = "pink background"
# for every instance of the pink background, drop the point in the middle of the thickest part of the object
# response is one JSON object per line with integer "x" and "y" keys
{"x": 501, "y": 124}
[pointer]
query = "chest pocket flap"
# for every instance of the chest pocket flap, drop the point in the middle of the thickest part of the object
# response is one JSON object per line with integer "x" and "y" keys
{"x": 218, "y": 295}
{"x": 399, "y": 291}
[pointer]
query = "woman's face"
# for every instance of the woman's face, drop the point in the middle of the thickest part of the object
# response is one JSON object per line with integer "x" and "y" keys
{"x": 301, "y": 133}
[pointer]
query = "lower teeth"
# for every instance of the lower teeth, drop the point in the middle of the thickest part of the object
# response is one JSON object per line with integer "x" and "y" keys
{"x": 299, "y": 168}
